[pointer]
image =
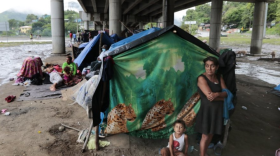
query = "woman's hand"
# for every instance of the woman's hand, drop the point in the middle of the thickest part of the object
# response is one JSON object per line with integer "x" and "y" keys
{"x": 211, "y": 96}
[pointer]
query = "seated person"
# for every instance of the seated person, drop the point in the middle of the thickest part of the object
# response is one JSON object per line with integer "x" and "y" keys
{"x": 97, "y": 64}
{"x": 69, "y": 63}
{"x": 67, "y": 77}
{"x": 30, "y": 67}
{"x": 55, "y": 78}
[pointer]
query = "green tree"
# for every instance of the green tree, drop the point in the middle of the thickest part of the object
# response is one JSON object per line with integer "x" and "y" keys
{"x": 37, "y": 27}
{"x": 203, "y": 13}
{"x": 247, "y": 15}
{"x": 70, "y": 27}
{"x": 47, "y": 32}
{"x": 278, "y": 11}
{"x": 272, "y": 9}
{"x": 190, "y": 15}
{"x": 48, "y": 19}
{"x": 30, "y": 17}
{"x": 13, "y": 23}
{"x": 71, "y": 15}
{"x": 149, "y": 25}
{"x": 233, "y": 16}
{"x": 21, "y": 24}
{"x": 185, "y": 27}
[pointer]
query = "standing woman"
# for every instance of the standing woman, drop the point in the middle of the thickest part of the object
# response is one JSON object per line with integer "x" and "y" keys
{"x": 209, "y": 120}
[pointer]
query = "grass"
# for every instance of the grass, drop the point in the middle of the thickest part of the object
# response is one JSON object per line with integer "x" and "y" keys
{"x": 14, "y": 44}
{"x": 242, "y": 39}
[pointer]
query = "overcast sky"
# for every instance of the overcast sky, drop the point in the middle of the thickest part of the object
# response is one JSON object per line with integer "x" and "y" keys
{"x": 29, "y": 6}
{"x": 43, "y": 7}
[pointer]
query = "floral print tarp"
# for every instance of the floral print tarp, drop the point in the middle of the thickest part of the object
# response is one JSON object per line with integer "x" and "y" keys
{"x": 153, "y": 85}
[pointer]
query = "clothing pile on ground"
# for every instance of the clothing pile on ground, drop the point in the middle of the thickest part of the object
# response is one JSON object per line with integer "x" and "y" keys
{"x": 31, "y": 74}
{"x": 31, "y": 69}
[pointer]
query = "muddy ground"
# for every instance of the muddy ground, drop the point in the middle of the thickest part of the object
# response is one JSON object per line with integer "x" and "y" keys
{"x": 254, "y": 132}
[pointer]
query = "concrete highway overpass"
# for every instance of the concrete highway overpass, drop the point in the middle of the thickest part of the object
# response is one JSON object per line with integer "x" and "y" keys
{"x": 136, "y": 13}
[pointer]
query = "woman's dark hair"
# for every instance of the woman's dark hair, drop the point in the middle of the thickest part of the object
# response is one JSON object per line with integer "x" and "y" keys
{"x": 180, "y": 122}
{"x": 213, "y": 59}
{"x": 48, "y": 65}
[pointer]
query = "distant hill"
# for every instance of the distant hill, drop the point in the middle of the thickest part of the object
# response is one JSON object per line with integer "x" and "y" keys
{"x": 11, "y": 14}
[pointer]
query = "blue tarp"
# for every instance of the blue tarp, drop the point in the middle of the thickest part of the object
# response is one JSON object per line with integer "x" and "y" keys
{"x": 277, "y": 88}
{"x": 83, "y": 45}
{"x": 128, "y": 40}
{"x": 91, "y": 51}
{"x": 116, "y": 38}
{"x": 132, "y": 38}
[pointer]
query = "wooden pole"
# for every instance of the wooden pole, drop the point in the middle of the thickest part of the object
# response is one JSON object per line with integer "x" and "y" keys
{"x": 87, "y": 138}
{"x": 97, "y": 137}
{"x": 100, "y": 42}
{"x": 226, "y": 133}
{"x": 71, "y": 127}
{"x": 126, "y": 27}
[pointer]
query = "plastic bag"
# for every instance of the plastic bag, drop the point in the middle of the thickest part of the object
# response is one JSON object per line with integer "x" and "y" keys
{"x": 27, "y": 82}
{"x": 91, "y": 143}
{"x": 91, "y": 74}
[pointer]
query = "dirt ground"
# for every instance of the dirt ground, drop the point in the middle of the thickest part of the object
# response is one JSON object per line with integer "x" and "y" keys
{"x": 32, "y": 127}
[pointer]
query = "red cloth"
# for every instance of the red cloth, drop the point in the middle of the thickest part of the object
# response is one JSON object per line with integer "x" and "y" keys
{"x": 31, "y": 67}
{"x": 57, "y": 68}
{"x": 109, "y": 58}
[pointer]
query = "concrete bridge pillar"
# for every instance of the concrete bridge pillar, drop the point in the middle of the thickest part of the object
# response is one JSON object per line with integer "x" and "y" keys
{"x": 93, "y": 25}
{"x": 104, "y": 23}
{"x": 215, "y": 23}
{"x": 86, "y": 17}
{"x": 86, "y": 25}
{"x": 168, "y": 13}
{"x": 98, "y": 27}
{"x": 140, "y": 25}
{"x": 258, "y": 28}
{"x": 114, "y": 17}
{"x": 57, "y": 25}
{"x": 122, "y": 28}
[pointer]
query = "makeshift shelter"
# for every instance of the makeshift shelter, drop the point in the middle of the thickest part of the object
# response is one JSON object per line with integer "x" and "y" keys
{"x": 154, "y": 83}
{"x": 91, "y": 51}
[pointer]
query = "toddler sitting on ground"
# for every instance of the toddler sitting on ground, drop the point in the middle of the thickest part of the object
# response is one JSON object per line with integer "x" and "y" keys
{"x": 177, "y": 141}
{"x": 67, "y": 77}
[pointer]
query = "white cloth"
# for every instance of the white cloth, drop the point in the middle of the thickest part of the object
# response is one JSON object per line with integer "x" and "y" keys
{"x": 55, "y": 77}
{"x": 178, "y": 143}
{"x": 84, "y": 95}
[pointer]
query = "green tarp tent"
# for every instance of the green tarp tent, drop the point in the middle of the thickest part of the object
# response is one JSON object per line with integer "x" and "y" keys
{"x": 155, "y": 83}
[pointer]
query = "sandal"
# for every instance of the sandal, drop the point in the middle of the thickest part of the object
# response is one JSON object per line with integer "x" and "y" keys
{"x": 10, "y": 98}
{"x": 218, "y": 148}
{"x": 26, "y": 94}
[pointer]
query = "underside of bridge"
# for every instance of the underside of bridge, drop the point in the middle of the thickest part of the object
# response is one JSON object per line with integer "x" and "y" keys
{"x": 136, "y": 13}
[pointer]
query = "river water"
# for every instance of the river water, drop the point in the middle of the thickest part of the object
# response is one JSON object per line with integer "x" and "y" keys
{"x": 11, "y": 58}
